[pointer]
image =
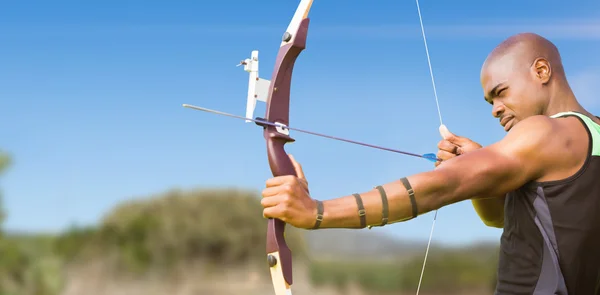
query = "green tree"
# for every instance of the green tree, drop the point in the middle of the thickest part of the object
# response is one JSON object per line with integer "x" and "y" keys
{"x": 5, "y": 162}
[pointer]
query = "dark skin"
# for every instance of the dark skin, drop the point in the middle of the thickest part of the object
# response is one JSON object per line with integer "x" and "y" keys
{"x": 524, "y": 81}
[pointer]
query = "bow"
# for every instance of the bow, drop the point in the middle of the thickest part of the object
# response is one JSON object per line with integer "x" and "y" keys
{"x": 277, "y": 135}
{"x": 293, "y": 42}
{"x": 276, "y": 94}
{"x": 279, "y": 256}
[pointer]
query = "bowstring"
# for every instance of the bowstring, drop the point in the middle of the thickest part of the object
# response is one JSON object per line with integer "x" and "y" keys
{"x": 441, "y": 123}
{"x": 437, "y": 103}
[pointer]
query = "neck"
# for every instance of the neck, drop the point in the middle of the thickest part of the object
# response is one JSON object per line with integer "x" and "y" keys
{"x": 563, "y": 100}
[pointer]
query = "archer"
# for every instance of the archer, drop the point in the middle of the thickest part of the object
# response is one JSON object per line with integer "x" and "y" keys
{"x": 540, "y": 183}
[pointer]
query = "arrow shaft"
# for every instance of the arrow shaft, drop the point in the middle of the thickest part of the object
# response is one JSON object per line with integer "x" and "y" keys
{"x": 262, "y": 122}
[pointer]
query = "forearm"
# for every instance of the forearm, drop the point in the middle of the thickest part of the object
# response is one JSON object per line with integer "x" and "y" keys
{"x": 430, "y": 190}
{"x": 445, "y": 185}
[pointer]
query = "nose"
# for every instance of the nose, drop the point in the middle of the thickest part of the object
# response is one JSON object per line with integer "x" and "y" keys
{"x": 497, "y": 109}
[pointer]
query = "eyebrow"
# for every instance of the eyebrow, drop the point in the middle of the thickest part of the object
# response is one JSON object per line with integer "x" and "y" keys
{"x": 492, "y": 93}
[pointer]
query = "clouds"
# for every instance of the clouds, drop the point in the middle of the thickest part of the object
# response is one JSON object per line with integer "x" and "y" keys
{"x": 567, "y": 29}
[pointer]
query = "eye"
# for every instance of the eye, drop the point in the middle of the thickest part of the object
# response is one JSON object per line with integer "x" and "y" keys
{"x": 501, "y": 91}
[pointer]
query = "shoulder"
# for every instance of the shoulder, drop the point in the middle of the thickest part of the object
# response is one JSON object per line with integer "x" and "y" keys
{"x": 547, "y": 147}
{"x": 531, "y": 134}
{"x": 541, "y": 132}
{"x": 536, "y": 124}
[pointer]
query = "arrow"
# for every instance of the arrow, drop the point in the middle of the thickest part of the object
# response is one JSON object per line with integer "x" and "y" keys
{"x": 262, "y": 122}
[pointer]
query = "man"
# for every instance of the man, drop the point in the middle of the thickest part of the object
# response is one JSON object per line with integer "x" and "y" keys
{"x": 541, "y": 182}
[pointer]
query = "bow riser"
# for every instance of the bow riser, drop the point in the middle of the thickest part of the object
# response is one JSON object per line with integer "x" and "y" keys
{"x": 279, "y": 255}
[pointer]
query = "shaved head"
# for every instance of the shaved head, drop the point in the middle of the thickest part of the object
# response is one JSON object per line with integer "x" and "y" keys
{"x": 523, "y": 49}
{"x": 524, "y": 76}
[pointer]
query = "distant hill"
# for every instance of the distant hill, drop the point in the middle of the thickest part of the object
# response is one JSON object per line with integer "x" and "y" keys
{"x": 371, "y": 245}
{"x": 331, "y": 243}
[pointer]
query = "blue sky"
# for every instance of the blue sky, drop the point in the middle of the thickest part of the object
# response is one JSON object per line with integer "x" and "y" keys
{"x": 91, "y": 94}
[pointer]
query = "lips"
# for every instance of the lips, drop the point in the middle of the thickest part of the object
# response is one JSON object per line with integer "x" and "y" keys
{"x": 504, "y": 122}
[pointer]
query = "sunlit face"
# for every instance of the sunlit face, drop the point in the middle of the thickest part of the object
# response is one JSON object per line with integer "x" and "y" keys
{"x": 513, "y": 90}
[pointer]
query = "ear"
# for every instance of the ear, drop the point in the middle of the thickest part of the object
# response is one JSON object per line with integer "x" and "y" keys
{"x": 542, "y": 70}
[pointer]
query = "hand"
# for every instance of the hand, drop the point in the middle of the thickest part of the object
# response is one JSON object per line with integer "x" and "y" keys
{"x": 453, "y": 145}
{"x": 287, "y": 198}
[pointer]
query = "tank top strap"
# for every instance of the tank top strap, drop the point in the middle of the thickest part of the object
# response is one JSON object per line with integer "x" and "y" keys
{"x": 593, "y": 128}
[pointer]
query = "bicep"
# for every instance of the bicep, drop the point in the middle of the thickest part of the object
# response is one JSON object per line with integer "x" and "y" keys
{"x": 521, "y": 156}
{"x": 485, "y": 172}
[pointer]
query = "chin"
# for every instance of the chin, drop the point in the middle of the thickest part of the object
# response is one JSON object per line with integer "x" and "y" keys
{"x": 510, "y": 124}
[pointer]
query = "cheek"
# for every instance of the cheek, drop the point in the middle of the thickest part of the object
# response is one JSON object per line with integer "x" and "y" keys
{"x": 523, "y": 103}
{"x": 511, "y": 102}
{"x": 526, "y": 109}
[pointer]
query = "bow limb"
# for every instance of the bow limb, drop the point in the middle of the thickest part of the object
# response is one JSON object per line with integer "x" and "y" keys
{"x": 293, "y": 42}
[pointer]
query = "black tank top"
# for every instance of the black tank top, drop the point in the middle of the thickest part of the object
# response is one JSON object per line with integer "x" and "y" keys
{"x": 551, "y": 239}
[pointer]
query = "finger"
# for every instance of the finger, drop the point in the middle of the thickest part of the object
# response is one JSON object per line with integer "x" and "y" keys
{"x": 279, "y": 180}
{"x": 297, "y": 167}
{"x": 304, "y": 184}
{"x": 449, "y": 136}
{"x": 271, "y": 191}
{"x": 279, "y": 211}
{"x": 444, "y": 155}
{"x": 446, "y": 134}
{"x": 273, "y": 212}
{"x": 445, "y": 145}
{"x": 272, "y": 201}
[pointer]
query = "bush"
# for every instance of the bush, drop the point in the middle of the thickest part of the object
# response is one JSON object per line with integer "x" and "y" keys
{"x": 215, "y": 226}
{"x": 446, "y": 272}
